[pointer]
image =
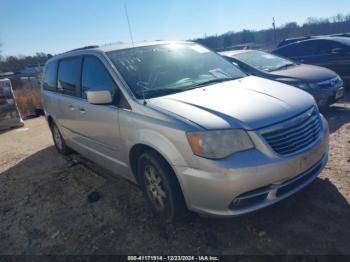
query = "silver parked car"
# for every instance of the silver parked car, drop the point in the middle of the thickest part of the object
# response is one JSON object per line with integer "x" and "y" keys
{"x": 192, "y": 130}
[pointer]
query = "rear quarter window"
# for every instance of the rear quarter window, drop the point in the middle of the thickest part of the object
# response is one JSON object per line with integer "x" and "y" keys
{"x": 50, "y": 77}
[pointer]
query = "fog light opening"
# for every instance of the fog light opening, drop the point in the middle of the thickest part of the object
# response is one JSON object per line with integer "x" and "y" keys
{"x": 236, "y": 202}
{"x": 239, "y": 203}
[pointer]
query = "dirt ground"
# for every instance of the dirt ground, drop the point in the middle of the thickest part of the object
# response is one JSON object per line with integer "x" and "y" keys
{"x": 44, "y": 207}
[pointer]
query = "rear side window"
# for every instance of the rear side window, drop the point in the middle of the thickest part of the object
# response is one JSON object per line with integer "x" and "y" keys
{"x": 50, "y": 77}
{"x": 293, "y": 50}
{"x": 316, "y": 47}
{"x": 68, "y": 76}
{"x": 95, "y": 77}
{"x": 328, "y": 47}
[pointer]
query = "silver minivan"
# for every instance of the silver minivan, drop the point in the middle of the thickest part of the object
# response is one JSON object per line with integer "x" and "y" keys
{"x": 192, "y": 130}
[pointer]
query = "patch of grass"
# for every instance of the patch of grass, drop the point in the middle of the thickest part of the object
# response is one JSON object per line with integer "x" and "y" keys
{"x": 27, "y": 100}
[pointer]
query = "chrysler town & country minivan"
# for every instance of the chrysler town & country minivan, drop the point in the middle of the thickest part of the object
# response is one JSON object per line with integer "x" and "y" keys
{"x": 192, "y": 130}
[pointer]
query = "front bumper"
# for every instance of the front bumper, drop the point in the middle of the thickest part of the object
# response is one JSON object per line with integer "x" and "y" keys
{"x": 325, "y": 97}
{"x": 251, "y": 180}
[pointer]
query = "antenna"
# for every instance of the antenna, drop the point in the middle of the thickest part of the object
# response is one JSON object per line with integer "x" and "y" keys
{"x": 127, "y": 18}
{"x": 133, "y": 45}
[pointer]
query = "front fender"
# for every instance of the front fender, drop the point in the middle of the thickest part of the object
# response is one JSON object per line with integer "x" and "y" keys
{"x": 158, "y": 142}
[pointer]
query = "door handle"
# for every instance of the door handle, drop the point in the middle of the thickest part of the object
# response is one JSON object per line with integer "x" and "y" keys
{"x": 82, "y": 111}
{"x": 72, "y": 108}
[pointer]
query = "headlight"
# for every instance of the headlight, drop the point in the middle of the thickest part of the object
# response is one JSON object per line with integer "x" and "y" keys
{"x": 219, "y": 144}
{"x": 303, "y": 86}
{"x": 340, "y": 80}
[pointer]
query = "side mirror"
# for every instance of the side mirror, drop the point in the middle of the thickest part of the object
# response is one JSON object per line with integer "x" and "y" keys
{"x": 99, "y": 97}
{"x": 338, "y": 51}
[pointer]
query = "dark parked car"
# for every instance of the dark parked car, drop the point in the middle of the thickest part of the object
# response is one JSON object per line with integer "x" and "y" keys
{"x": 325, "y": 85}
{"x": 331, "y": 52}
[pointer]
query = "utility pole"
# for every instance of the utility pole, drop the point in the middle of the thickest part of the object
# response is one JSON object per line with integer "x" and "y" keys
{"x": 274, "y": 31}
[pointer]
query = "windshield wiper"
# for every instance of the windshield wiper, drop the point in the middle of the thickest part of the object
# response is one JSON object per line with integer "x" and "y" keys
{"x": 150, "y": 93}
{"x": 212, "y": 81}
{"x": 282, "y": 67}
{"x": 159, "y": 92}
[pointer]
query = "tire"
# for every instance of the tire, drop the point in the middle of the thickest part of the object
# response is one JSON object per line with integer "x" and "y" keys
{"x": 60, "y": 144}
{"x": 39, "y": 112}
{"x": 160, "y": 187}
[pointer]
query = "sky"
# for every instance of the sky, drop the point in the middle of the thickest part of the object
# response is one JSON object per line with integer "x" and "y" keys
{"x": 55, "y": 26}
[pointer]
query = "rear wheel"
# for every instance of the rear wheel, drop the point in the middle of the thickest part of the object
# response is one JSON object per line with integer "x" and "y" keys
{"x": 160, "y": 187}
{"x": 60, "y": 144}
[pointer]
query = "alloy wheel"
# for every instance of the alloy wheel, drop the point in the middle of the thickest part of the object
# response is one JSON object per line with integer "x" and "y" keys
{"x": 57, "y": 137}
{"x": 155, "y": 189}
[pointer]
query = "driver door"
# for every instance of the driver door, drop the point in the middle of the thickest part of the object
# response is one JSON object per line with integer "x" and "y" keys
{"x": 98, "y": 125}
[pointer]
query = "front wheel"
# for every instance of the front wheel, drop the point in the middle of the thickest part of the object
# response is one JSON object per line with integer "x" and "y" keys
{"x": 160, "y": 187}
{"x": 60, "y": 144}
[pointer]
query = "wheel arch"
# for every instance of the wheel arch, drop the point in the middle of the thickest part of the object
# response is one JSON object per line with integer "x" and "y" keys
{"x": 137, "y": 150}
{"x": 140, "y": 148}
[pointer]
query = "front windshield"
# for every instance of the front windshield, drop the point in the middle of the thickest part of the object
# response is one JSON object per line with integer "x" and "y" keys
{"x": 263, "y": 61}
{"x": 157, "y": 70}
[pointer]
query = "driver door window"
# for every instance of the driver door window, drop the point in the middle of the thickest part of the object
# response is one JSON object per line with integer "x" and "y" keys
{"x": 95, "y": 77}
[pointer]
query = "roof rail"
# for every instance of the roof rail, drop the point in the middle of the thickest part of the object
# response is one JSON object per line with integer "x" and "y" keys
{"x": 293, "y": 40}
{"x": 83, "y": 48}
{"x": 340, "y": 35}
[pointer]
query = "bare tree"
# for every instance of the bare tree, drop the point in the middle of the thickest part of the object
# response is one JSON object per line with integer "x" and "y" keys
{"x": 339, "y": 18}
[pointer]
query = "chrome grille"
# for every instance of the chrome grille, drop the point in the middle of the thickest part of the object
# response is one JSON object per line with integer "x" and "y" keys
{"x": 295, "y": 134}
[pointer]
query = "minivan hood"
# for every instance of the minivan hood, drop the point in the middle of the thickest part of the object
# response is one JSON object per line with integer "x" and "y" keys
{"x": 305, "y": 73}
{"x": 248, "y": 103}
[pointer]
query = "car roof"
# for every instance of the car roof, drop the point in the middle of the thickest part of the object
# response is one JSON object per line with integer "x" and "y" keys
{"x": 339, "y": 39}
{"x": 112, "y": 47}
{"x": 292, "y": 40}
{"x": 308, "y": 37}
{"x": 115, "y": 47}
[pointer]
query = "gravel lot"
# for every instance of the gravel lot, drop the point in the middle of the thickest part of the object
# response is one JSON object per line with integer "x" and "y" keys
{"x": 44, "y": 207}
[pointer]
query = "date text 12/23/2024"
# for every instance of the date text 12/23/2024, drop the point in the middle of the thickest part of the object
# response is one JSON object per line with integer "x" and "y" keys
{"x": 173, "y": 258}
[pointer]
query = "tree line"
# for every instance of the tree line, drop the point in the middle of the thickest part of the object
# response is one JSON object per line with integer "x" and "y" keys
{"x": 15, "y": 63}
{"x": 268, "y": 38}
